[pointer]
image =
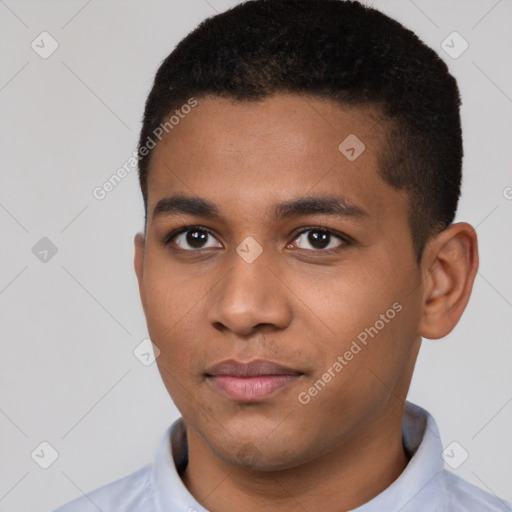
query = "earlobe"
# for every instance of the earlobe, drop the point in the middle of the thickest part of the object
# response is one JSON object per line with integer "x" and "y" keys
{"x": 450, "y": 265}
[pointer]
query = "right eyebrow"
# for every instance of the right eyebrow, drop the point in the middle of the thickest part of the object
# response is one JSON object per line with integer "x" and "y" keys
{"x": 190, "y": 205}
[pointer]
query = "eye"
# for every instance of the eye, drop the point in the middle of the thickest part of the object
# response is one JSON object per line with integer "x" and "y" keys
{"x": 193, "y": 238}
{"x": 320, "y": 239}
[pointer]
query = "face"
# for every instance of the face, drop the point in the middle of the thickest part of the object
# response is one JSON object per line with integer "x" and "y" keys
{"x": 278, "y": 278}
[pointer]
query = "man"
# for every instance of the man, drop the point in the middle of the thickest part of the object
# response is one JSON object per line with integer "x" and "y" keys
{"x": 298, "y": 244}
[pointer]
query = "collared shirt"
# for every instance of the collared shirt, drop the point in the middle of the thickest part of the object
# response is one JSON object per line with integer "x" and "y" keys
{"x": 423, "y": 486}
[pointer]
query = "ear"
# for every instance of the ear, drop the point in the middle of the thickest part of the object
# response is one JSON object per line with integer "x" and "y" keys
{"x": 449, "y": 268}
{"x": 139, "y": 243}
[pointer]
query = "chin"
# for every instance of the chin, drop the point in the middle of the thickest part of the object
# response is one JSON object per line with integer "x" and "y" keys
{"x": 251, "y": 457}
{"x": 257, "y": 452}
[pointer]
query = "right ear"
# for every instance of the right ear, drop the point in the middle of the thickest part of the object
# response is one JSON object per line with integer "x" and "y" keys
{"x": 138, "y": 262}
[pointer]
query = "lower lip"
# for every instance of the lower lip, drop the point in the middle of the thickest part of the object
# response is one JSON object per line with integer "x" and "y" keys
{"x": 250, "y": 389}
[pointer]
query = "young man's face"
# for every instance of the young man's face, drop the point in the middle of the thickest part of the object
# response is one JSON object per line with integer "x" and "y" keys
{"x": 305, "y": 303}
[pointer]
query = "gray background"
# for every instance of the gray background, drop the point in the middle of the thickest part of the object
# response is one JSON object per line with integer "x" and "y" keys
{"x": 68, "y": 375}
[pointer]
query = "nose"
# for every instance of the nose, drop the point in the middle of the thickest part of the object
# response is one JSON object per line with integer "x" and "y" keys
{"x": 250, "y": 298}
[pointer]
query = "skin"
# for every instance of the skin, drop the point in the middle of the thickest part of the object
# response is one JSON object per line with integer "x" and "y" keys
{"x": 297, "y": 304}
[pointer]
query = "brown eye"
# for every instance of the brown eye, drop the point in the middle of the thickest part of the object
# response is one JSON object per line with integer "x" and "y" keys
{"x": 318, "y": 239}
{"x": 193, "y": 239}
{"x": 196, "y": 239}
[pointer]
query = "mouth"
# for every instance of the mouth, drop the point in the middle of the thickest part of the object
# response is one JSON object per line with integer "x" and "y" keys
{"x": 250, "y": 382}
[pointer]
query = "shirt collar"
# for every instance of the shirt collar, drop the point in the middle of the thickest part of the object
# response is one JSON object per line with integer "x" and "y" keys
{"x": 168, "y": 490}
{"x": 421, "y": 482}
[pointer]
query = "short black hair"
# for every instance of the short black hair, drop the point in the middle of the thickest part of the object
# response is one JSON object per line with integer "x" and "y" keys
{"x": 339, "y": 50}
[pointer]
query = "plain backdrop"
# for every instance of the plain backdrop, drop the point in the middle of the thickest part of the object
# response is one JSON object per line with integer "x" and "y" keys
{"x": 69, "y": 325}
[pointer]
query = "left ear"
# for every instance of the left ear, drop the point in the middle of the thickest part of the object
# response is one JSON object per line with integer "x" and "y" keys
{"x": 449, "y": 266}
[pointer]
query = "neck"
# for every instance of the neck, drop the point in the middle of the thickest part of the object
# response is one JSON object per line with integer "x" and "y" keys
{"x": 350, "y": 474}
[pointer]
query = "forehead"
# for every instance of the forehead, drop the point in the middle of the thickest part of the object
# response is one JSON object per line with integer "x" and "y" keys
{"x": 244, "y": 153}
{"x": 299, "y": 124}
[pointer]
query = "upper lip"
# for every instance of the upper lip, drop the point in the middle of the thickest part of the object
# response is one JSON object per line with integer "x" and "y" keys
{"x": 255, "y": 368}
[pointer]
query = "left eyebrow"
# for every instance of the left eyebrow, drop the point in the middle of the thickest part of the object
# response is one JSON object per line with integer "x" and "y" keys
{"x": 318, "y": 205}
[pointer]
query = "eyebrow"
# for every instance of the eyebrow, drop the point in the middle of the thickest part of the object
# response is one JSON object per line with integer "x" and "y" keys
{"x": 308, "y": 205}
{"x": 318, "y": 205}
{"x": 185, "y": 204}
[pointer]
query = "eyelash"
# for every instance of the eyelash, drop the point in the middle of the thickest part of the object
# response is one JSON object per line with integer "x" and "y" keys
{"x": 346, "y": 240}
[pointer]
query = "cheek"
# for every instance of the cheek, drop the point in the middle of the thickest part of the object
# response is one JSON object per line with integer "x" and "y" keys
{"x": 173, "y": 306}
{"x": 170, "y": 296}
{"x": 177, "y": 362}
{"x": 370, "y": 318}
{"x": 349, "y": 299}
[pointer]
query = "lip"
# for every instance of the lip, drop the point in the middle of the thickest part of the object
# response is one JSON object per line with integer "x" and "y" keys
{"x": 252, "y": 381}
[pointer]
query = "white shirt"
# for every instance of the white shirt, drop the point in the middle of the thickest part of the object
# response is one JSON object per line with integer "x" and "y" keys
{"x": 423, "y": 486}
